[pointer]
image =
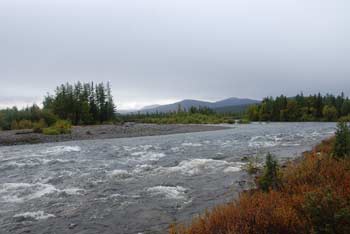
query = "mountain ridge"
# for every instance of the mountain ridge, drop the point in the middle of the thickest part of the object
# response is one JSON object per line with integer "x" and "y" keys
{"x": 188, "y": 103}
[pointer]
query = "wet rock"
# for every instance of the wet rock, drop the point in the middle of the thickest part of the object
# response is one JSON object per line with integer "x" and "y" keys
{"x": 72, "y": 225}
{"x": 244, "y": 159}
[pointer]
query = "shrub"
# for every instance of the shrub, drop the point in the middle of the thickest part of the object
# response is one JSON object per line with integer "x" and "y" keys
{"x": 25, "y": 124}
{"x": 14, "y": 125}
{"x": 344, "y": 118}
{"x": 39, "y": 126}
{"x": 329, "y": 113}
{"x": 63, "y": 126}
{"x": 231, "y": 121}
{"x": 342, "y": 140}
{"x": 60, "y": 127}
{"x": 253, "y": 165}
{"x": 327, "y": 212}
{"x": 51, "y": 131}
{"x": 49, "y": 117}
{"x": 269, "y": 179}
{"x": 244, "y": 121}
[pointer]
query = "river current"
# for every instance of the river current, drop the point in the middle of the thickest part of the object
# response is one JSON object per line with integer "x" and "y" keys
{"x": 136, "y": 185}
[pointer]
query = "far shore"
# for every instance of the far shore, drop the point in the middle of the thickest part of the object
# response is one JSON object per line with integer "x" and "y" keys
{"x": 93, "y": 132}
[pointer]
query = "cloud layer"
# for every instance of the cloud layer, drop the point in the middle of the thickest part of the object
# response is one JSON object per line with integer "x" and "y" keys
{"x": 159, "y": 51}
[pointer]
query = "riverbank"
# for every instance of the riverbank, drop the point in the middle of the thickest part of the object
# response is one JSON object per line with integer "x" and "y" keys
{"x": 312, "y": 196}
{"x": 93, "y": 132}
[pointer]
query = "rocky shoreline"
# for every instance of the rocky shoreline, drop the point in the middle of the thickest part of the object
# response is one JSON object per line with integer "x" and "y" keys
{"x": 92, "y": 132}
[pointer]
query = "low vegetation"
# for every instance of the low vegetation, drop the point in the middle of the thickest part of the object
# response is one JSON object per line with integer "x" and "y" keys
{"x": 60, "y": 127}
{"x": 310, "y": 195}
{"x": 244, "y": 121}
{"x": 194, "y": 115}
{"x": 252, "y": 164}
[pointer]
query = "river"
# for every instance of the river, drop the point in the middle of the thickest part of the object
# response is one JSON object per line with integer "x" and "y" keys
{"x": 136, "y": 185}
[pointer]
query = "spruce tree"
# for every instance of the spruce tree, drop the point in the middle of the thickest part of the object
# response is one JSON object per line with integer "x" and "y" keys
{"x": 342, "y": 140}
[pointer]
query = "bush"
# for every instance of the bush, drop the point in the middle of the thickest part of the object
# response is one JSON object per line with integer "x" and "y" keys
{"x": 342, "y": 140}
{"x": 39, "y": 126}
{"x": 60, "y": 127}
{"x": 344, "y": 119}
{"x": 25, "y": 124}
{"x": 253, "y": 165}
{"x": 327, "y": 212}
{"x": 51, "y": 131}
{"x": 230, "y": 121}
{"x": 14, "y": 125}
{"x": 22, "y": 124}
{"x": 329, "y": 113}
{"x": 269, "y": 179}
{"x": 244, "y": 121}
{"x": 63, "y": 126}
{"x": 49, "y": 117}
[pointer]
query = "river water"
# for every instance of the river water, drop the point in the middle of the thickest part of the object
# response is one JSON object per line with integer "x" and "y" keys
{"x": 136, "y": 185}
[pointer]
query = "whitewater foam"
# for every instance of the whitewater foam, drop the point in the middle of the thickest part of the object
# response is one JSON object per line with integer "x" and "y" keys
{"x": 232, "y": 169}
{"x": 19, "y": 164}
{"x": 264, "y": 141}
{"x": 22, "y": 192}
{"x": 56, "y": 150}
{"x": 148, "y": 156}
{"x": 175, "y": 149}
{"x": 198, "y": 166}
{"x": 142, "y": 168}
{"x": 169, "y": 192}
{"x": 37, "y": 215}
{"x": 72, "y": 191}
{"x": 191, "y": 144}
{"x": 121, "y": 174}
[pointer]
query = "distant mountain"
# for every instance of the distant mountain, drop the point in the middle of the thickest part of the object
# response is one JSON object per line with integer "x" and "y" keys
{"x": 235, "y": 102}
{"x": 150, "y": 107}
{"x": 227, "y": 105}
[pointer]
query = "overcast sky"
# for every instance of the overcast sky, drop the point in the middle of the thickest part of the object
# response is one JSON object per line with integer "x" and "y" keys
{"x": 166, "y": 50}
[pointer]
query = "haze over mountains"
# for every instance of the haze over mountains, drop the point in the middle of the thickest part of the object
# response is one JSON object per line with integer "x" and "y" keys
{"x": 230, "y": 104}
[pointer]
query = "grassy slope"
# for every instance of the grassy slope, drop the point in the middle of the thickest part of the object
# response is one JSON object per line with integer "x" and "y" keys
{"x": 314, "y": 197}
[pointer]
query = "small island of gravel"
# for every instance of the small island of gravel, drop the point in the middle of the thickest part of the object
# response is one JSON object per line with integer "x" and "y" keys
{"x": 92, "y": 132}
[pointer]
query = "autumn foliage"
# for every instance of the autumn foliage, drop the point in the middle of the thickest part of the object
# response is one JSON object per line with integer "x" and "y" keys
{"x": 313, "y": 197}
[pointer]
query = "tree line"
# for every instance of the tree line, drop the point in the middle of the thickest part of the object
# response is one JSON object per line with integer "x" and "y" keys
{"x": 192, "y": 115}
{"x": 80, "y": 104}
{"x": 301, "y": 108}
